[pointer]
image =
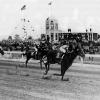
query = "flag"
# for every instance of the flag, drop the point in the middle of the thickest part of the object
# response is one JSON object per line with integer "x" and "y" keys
{"x": 50, "y": 3}
{"x": 23, "y": 7}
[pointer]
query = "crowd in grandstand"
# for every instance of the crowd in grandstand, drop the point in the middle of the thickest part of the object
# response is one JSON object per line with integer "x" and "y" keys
{"x": 45, "y": 43}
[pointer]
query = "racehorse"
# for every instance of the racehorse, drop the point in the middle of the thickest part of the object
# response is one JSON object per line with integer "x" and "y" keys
{"x": 38, "y": 53}
{"x": 30, "y": 54}
{"x": 66, "y": 60}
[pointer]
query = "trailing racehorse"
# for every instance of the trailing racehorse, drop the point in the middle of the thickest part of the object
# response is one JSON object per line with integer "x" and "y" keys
{"x": 38, "y": 54}
{"x": 30, "y": 54}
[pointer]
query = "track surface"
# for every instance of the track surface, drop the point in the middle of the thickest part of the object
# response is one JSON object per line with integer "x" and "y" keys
{"x": 29, "y": 83}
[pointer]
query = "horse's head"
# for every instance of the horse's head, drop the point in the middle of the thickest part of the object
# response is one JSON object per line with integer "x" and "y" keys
{"x": 1, "y": 51}
{"x": 79, "y": 50}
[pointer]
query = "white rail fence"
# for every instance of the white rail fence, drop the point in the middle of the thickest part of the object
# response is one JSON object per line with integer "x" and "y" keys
{"x": 19, "y": 55}
{"x": 12, "y": 55}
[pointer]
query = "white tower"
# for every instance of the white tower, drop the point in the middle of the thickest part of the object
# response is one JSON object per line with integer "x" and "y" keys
{"x": 51, "y": 28}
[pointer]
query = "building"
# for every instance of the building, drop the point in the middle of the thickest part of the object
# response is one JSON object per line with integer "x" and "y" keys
{"x": 52, "y": 30}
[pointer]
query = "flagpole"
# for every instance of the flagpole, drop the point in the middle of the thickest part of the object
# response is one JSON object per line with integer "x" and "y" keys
{"x": 23, "y": 19}
{"x": 50, "y": 8}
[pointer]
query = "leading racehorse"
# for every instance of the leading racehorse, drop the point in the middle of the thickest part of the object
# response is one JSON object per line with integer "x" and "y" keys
{"x": 67, "y": 59}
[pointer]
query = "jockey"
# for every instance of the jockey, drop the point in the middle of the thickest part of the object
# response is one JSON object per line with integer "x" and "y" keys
{"x": 1, "y": 48}
{"x": 72, "y": 45}
{"x": 48, "y": 45}
{"x": 63, "y": 48}
{"x": 45, "y": 44}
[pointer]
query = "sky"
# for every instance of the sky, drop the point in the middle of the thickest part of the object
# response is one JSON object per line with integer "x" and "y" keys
{"x": 75, "y": 14}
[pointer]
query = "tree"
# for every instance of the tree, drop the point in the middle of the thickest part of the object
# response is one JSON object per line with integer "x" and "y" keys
{"x": 17, "y": 37}
{"x": 30, "y": 38}
{"x": 10, "y": 38}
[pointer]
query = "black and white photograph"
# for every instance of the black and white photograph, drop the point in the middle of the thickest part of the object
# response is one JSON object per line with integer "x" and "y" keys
{"x": 49, "y": 49}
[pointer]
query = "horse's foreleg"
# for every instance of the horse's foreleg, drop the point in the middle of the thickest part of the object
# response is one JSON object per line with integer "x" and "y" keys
{"x": 27, "y": 62}
{"x": 63, "y": 70}
{"x": 41, "y": 63}
{"x": 62, "y": 75}
{"x": 46, "y": 68}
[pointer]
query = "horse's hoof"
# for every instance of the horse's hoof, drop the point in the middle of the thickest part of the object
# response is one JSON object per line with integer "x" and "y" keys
{"x": 45, "y": 73}
{"x": 65, "y": 79}
{"x": 61, "y": 79}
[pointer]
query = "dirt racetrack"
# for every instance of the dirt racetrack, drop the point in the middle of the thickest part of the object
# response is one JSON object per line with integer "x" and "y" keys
{"x": 29, "y": 84}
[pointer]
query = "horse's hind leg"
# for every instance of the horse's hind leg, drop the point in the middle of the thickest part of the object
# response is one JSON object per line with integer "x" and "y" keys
{"x": 62, "y": 74}
{"x": 48, "y": 66}
{"x": 46, "y": 69}
{"x": 27, "y": 62}
{"x": 63, "y": 70}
